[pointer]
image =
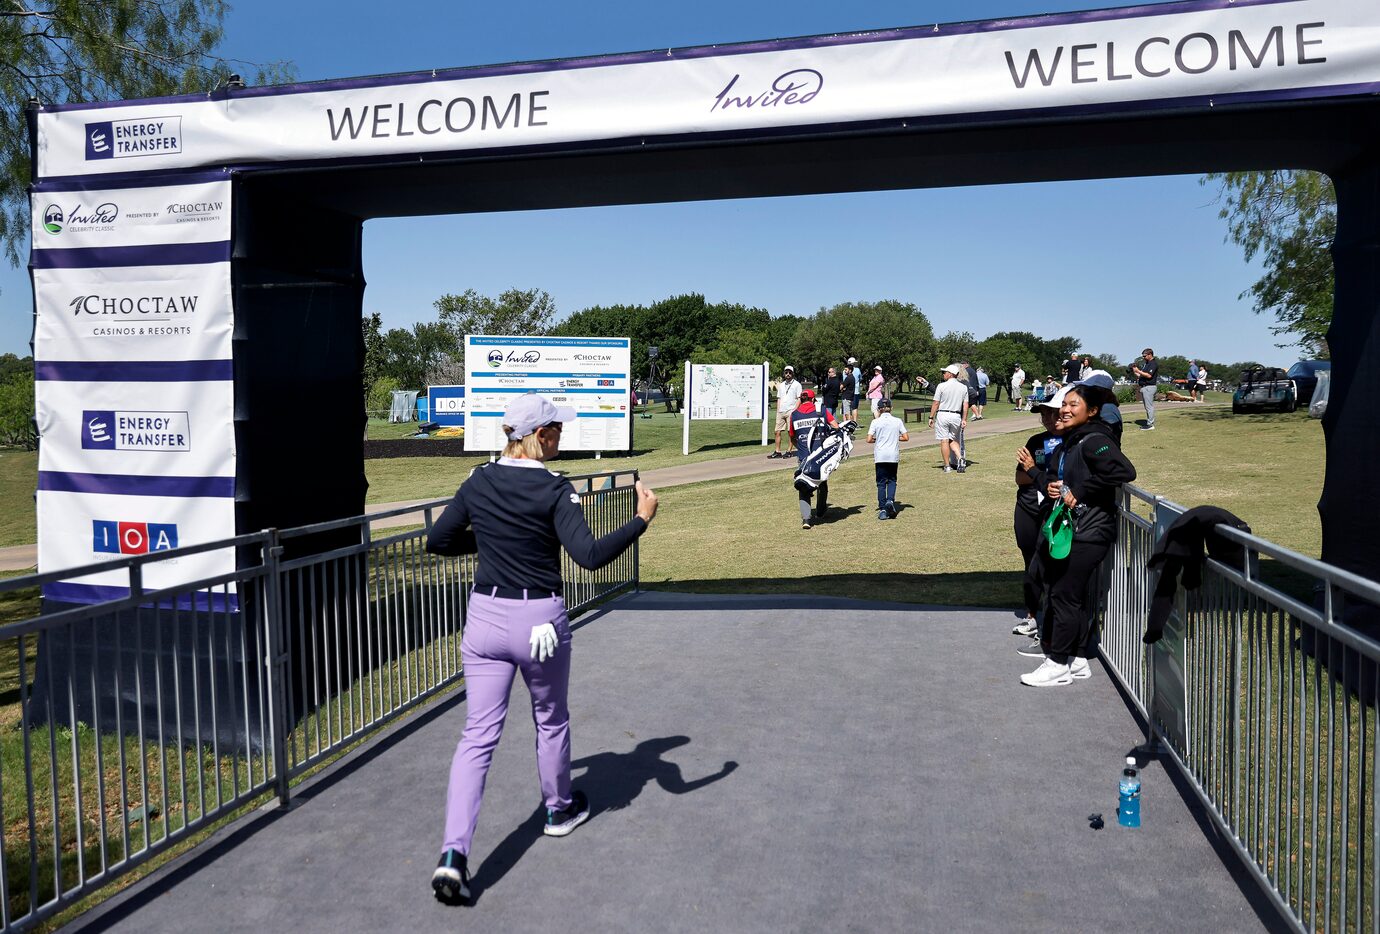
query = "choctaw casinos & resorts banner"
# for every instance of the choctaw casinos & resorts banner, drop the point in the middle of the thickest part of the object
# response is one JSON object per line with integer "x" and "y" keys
{"x": 134, "y": 399}
{"x": 589, "y": 374}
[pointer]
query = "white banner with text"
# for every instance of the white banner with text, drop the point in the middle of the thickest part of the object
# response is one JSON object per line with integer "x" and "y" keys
{"x": 1181, "y": 54}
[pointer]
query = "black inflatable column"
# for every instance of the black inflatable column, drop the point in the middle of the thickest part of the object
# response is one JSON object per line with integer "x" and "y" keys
{"x": 1350, "y": 504}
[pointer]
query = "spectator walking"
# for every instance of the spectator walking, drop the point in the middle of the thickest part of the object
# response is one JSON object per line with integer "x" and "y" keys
{"x": 1200, "y": 385}
{"x": 1018, "y": 388}
{"x": 1031, "y": 463}
{"x": 807, "y": 432}
{"x": 831, "y": 391}
{"x": 1147, "y": 373}
{"x": 787, "y": 398}
{"x": 983, "y": 381}
{"x": 1089, "y": 468}
{"x": 886, "y": 432}
{"x": 848, "y": 398}
{"x": 857, "y": 385}
{"x": 1191, "y": 379}
{"x": 518, "y": 517}
{"x": 876, "y": 389}
{"x": 949, "y": 413}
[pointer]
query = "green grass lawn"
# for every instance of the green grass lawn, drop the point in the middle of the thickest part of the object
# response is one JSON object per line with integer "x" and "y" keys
{"x": 953, "y": 541}
{"x": 18, "y": 479}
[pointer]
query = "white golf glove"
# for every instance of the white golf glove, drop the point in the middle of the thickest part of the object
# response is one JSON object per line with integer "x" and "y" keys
{"x": 543, "y": 641}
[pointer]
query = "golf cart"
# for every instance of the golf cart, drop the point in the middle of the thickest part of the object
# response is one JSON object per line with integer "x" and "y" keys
{"x": 1266, "y": 387}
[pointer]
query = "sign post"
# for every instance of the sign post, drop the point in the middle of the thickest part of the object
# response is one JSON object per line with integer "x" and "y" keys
{"x": 686, "y": 412}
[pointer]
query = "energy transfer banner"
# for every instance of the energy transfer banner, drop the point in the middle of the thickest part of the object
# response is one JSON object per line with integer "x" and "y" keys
{"x": 133, "y": 394}
{"x": 590, "y": 374}
{"x": 1197, "y": 54}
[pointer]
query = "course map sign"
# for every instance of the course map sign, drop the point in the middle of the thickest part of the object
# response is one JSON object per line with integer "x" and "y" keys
{"x": 589, "y": 374}
{"x": 727, "y": 392}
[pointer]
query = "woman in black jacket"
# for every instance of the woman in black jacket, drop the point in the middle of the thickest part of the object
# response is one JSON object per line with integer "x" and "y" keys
{"x": 517, "y": 516}
{"x": 1089, "y": 468}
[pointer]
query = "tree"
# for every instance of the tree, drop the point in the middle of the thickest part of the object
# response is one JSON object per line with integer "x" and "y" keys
{"x": 17, "y": 411}
{"x": 999, "y": 357}
{"x": 375, "y": 351}
{"x": 738, "y": 346}
{"x": 71, "y": 51}
{"x": 890, "y": 334}
{"x": 410, "y": 355}
{"x": 1288, "y": 219}
{"x": 524, "y": 312}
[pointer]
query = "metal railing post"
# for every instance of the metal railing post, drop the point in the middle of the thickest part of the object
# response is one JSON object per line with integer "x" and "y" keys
{"x": 276, "y": 665}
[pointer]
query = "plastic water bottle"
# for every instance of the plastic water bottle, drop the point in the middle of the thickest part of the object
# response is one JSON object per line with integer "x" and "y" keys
{"x": 1128, "y": 813}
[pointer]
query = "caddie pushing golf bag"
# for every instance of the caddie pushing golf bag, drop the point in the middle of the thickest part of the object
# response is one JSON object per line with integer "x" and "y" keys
{"x": 829, "y": 446}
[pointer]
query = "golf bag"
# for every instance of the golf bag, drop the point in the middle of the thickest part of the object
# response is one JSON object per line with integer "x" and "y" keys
{"x": 959, "y": 461}
{"x": 824, "y": 457}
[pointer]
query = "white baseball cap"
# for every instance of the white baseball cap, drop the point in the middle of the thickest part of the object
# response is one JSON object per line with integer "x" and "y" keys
{"x": 1056, "y": 401}
{"x": 852, "y": 360}
{"x": 952, "y": 369}
{"x": 530, "y": 411}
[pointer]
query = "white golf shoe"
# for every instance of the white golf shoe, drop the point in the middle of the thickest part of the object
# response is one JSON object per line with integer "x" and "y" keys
{"x": 1048, "y": 675}
{"x": 1080, "y": 669}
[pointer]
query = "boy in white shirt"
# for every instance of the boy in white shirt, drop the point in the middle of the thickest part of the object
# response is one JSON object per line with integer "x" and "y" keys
{"x": 886, "y": 432}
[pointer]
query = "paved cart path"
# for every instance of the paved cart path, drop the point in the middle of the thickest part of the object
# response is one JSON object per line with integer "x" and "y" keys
{"x": 783, "y": 764}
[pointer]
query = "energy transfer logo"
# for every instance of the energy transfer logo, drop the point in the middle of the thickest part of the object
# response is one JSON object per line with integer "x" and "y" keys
{"x": 52, "y": 219}
{"x": 145, "y": 136}
{"x": 132, "y": 538}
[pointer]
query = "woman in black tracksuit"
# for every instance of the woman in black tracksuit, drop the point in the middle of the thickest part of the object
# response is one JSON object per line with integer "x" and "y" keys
{"x": 1086, "y": 472}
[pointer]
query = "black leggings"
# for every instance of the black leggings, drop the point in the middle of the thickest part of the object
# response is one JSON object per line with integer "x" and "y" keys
{"x": 1027, "y": 540}
{"x": 821, "y": 503}
{"x": 1072, "y": 600}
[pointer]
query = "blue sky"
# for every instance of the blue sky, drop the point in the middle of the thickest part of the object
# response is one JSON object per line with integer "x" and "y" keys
{"x": 1120, "y": 263}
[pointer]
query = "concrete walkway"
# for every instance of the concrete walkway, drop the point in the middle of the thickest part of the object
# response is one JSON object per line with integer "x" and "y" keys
{"x": 753, "y": 764}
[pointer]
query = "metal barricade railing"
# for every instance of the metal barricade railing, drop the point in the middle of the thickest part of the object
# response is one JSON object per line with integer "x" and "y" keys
{"x": 1265, "y": 697}
{"x": 128, "y": 726}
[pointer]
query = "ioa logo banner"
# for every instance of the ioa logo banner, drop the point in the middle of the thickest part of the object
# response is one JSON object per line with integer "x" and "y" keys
{"x": 107, "y": 430}
{"x": 132, "y": 538}
{"x": 147, "y": 136}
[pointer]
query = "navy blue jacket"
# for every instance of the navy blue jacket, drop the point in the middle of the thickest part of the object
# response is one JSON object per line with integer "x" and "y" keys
{"x": 518, "y": 519}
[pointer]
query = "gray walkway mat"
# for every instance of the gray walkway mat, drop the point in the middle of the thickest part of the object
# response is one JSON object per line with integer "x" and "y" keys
{"x": 753, "y": 764}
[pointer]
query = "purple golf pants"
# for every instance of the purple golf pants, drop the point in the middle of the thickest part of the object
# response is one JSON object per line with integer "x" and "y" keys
{"x": 496, "y": 644}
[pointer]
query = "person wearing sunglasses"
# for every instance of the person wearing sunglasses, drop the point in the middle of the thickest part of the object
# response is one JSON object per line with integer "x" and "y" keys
{"x": 517, "y": 516}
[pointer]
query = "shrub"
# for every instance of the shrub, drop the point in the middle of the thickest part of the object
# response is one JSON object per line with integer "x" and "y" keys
{"x": 17, "y": 412}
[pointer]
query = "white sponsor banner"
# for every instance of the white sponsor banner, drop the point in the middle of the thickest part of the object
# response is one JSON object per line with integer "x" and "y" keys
{"x": 133, "y": 313}
{"x": 150, "y": 429}
{"x": 75, "y": 529}
{"x": 1137, "y": 55}
{"x": 727, "y": 392}
{"x": 588, "y": 374}
{"x": 197, "y": 213}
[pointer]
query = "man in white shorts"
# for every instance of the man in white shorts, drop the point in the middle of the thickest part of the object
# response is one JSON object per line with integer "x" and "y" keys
{"x": 949, "y": 412}
{"x": 787, "y": 398}
{"x": 1018, "y": 386}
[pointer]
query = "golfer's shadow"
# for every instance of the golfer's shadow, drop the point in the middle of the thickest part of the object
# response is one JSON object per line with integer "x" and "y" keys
{"x": 612, "y": 780}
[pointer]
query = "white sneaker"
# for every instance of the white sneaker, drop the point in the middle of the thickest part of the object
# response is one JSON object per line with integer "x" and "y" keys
{"x": 1050, "y": 674}
{"x": 1080, "y": 669}
{"x": 1034, "y": 650}
{"x": 1026, "y": 627}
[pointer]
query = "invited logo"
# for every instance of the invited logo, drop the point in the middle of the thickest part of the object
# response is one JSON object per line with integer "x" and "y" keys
{"x": 79, "y": 218}
{"x": 495, "y": 358}
{"x": 108, "y": 430}
{"x": 132, "y": 538}
{"x": 120, "y": 139}
{"x": 799, "y": 86}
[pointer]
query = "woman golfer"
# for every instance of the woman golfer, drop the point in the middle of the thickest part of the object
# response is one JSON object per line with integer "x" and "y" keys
{"x": 518, "y": 515}
{"x": 1088, "y": 470}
